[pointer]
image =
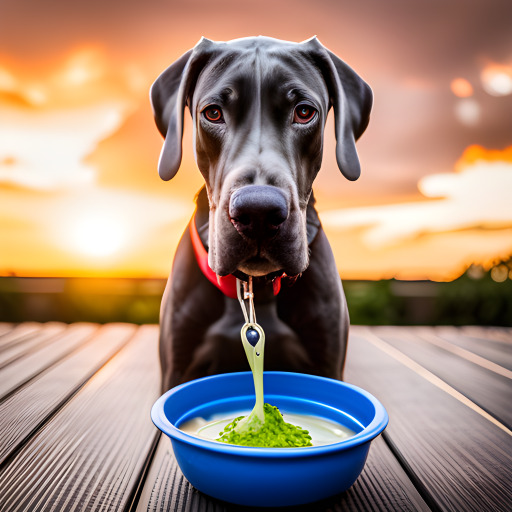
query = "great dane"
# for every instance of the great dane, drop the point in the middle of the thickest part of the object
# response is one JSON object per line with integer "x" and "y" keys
{"x": 259, "y": 107}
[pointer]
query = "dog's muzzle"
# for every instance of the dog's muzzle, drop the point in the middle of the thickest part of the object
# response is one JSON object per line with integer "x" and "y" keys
{"x": 258, "y": 211}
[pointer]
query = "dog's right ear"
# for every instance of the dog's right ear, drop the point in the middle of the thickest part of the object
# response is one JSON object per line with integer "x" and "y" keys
{"x": 169, "y": 95}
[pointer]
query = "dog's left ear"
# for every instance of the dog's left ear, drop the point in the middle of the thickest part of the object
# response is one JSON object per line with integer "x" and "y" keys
{"x": 352, "y": 100}
{"x": 169, "y": 95}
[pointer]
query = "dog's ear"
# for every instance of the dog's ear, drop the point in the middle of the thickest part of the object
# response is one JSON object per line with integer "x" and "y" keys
{"x": 352, "y": 100}
{"x": 169, "y": 95}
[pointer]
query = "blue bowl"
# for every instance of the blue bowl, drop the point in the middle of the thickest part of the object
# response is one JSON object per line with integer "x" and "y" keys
{"x": 270, "y": 477}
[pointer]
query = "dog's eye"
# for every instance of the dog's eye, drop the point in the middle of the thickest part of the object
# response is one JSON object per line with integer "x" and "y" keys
{"x": 303, "y": 114}
{"x": 213, "y": 113}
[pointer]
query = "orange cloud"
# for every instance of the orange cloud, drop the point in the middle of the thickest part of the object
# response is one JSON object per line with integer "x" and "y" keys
{"x": 49, "y": 125}
{"x": 47, "y": 150}
{"x": 81, "y": 68}
{"x": 476, "y": 199}
{"x": 476, "y": 153}
{"x": 87, "y": 74}
{"x": 477, "y": 196}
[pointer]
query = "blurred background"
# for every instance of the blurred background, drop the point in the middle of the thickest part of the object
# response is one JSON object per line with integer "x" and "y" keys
{"x": 88, "y": 230}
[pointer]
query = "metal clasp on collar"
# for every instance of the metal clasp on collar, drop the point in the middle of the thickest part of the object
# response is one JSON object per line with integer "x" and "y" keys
{"x": 246, "y": 298}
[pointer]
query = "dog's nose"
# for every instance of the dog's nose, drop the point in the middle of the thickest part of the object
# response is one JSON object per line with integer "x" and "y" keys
{"x": 257, "y": 211}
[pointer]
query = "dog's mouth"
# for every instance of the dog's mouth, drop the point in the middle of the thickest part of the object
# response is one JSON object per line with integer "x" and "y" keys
{"x": 261, "y": 260}
{"x": 257, "y": 266}
{"x": 268, "y": 277}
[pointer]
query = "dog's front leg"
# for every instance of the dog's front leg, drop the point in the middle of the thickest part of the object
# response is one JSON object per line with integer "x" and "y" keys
{"x": 190, "y": 305}
{"x": 315, "y": 308}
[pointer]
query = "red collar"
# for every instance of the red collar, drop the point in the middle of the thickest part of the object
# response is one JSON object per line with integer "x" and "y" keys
{"x": 226, "y": 284}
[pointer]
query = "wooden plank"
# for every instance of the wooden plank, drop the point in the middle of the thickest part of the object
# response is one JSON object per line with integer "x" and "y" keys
{"x": 485, "y": 386}
{"x": 18, "y": 332}
{"x": 5, "y": 327}
{"x": 26, "y": 368}
{"x": 499, "y": 352}
{"x": 383, "y": 485}
{"x": 30, "y": 342}
{"x": 90, "y": 455}
{"x": 500, "y": 334}
{"x": 24, "y": 412}
{"x": 458, "y": 458}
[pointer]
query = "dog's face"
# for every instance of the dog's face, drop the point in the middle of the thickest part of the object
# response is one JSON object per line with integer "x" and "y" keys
{"x": 259, "y": 107}
{"x": 259, "y": 121}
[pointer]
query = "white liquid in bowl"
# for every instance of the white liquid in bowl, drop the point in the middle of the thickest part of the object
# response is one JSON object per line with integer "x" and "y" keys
{"x": 321, "y": 430}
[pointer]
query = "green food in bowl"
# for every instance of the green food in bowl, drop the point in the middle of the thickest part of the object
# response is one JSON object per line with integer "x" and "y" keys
{"x": 274, "y": 432}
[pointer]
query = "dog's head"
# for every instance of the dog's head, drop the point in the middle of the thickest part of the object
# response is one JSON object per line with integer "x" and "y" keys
{"x": 259, "y": 107}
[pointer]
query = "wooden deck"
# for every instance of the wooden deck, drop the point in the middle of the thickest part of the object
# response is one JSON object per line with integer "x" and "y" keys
{"x": 75, "y": 432}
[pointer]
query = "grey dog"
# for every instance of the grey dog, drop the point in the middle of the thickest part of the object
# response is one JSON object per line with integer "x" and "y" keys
{"x": 259, "y": 107}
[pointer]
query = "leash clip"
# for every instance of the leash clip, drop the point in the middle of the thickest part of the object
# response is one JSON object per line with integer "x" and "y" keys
{"x": 245, "y": 293}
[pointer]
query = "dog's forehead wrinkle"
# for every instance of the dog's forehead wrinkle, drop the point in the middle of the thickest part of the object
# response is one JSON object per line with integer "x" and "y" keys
{"x": 225, "y": 95}
{"x": 219, "y": 74}
{"x": 240, "y": 91}
{"x": 294, "y": 64}
{"x": 210, "y": 91}
{"x": 286, "y": 85}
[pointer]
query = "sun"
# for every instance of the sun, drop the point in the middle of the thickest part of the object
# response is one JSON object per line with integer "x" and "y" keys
{"x": 98, "y": 235}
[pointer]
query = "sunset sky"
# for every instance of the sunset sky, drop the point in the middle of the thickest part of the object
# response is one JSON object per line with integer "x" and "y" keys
{"x": 79, "y": 189}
